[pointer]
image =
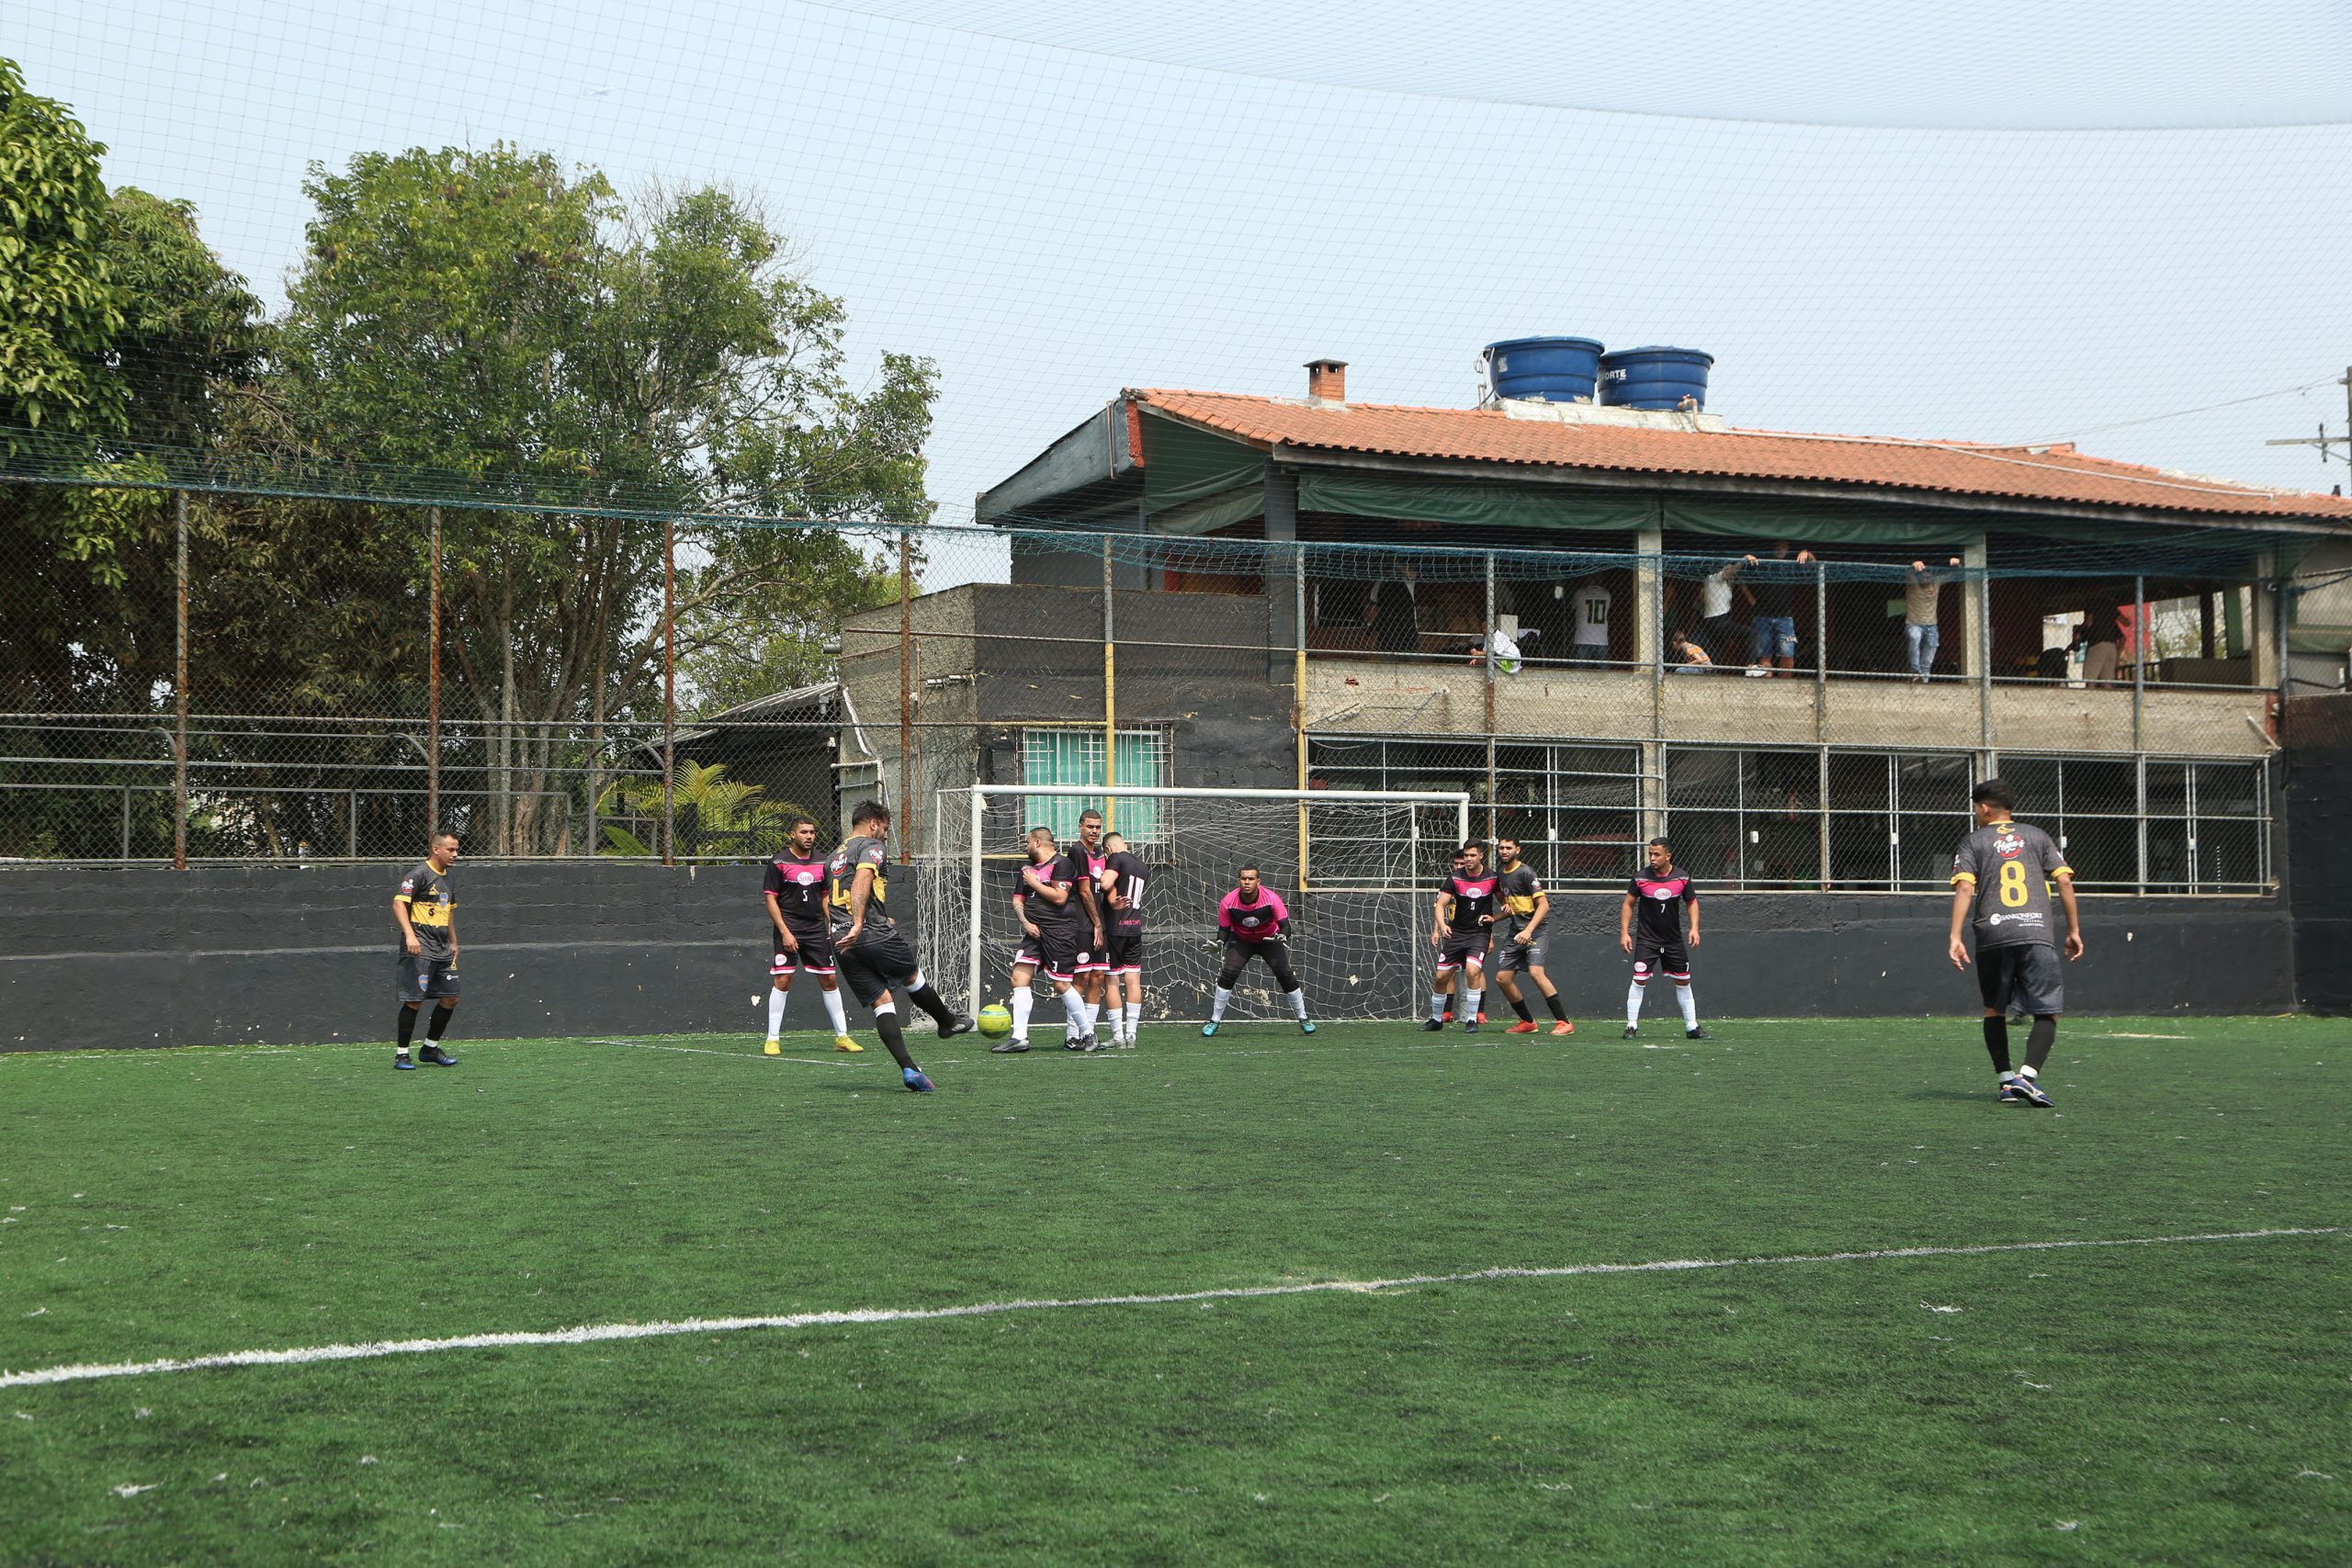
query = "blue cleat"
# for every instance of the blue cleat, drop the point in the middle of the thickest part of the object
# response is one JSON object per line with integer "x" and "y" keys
{"x": 2009, "y": 1095}
{"x": 1306, "y": 1026}
{"x": 400, "y": 1060}
{"x": 1207, "y": 1030}
{"x": 437, "y": 1056}
{"x": 2029, "y": 1091}
{"x": 917, "y": 1082}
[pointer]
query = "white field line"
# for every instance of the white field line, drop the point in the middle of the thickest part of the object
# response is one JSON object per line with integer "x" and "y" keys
{"x": 745, "y": 1055}
{"x": 599, "y": 1333}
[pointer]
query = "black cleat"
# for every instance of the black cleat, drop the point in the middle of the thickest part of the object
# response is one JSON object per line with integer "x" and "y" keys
{"x": 1012, "y": 1046}
{"x": 962, "y": 1024}
{"x": 1632, "y": 1033}
{"x": 1432, "y": 1026}
{"x": 437, "y": 1056}
{"x": 400, "y": 1060}
{"x": 1696, "y": 1034}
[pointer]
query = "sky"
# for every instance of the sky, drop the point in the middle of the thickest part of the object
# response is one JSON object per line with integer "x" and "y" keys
{"x": 2008, "y": 221}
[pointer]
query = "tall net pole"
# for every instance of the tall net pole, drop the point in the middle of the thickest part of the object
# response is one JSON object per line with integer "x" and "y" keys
{"x": 1110, "y": 695}
{"x": 1298, "y": 695}
{"x": 432, "y": 684}
{"x": 906, "y": 691}
{"x": 179, "y": 688}
{"x": 1487, "y": 660}
{"x": 669, "y": 691}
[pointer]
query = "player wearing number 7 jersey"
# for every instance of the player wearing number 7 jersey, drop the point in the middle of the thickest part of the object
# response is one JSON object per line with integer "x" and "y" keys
{"x": 2003, "y": 875}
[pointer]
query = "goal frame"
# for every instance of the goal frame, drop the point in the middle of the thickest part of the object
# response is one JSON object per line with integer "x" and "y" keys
{"x": 980, "y": 795}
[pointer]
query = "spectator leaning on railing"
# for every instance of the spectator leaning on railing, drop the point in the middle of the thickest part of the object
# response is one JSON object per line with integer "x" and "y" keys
{"x": 1771, "y": 589}
{"x": 1922, "y": 607}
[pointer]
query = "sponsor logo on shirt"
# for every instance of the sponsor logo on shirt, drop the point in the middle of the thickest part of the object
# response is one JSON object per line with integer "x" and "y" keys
{"x": 2009, "y": 844}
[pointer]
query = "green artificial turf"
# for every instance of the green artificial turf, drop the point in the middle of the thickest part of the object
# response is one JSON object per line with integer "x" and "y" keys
{"x": 2187, "y": 1401}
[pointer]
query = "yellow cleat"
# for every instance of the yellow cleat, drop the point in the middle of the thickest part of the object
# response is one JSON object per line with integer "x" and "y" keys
{"x": 774, "y": 1049}
{"x": 844, "y": 1042}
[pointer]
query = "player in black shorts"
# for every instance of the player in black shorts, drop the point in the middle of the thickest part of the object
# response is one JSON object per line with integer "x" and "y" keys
{"x": 872, "y": 953}
{"x": 2003, "y": 875}
{"x": 1048, "y": 903}
{"x": 1121, "y": 889}
{"x": 799, "y": 938}
{"x": 1519, "y": 939}
{"x": 1464, "y": 913}
{"x": 426, "y": 953}
{"x": 1659, "y": 895}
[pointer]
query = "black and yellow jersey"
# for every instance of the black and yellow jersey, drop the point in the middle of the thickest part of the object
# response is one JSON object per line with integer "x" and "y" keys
{"x": 842, "y": 869}
{"x": 430, "y": 905}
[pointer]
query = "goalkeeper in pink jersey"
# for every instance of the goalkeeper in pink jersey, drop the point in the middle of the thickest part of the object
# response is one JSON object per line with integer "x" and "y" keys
{"x": 1255, "y": 923}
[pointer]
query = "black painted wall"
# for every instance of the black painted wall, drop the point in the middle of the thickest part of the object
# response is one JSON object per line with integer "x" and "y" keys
{"x": 2319, "y": 825}
{"x": 124, "y": 958}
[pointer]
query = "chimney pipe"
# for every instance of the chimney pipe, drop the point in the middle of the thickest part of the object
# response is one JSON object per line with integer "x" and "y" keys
{"x": 1327, "y": 380}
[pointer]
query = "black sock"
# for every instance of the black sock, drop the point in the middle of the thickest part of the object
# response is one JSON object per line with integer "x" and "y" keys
{"x": 928, "y": 999}
{"x": 894, "y": 1039}
{"x": 1996, "y": 1040}
{"x": 2039, "y": 1039}
{"x": 438, "y": 1022}
{"x": 1519, "y": 1005}
{"x": 408, "y": 1026}
{"x": 1553, "y": 1002}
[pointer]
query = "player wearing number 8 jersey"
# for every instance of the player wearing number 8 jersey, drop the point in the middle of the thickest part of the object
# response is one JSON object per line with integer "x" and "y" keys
{"x": 2002, "y": 877}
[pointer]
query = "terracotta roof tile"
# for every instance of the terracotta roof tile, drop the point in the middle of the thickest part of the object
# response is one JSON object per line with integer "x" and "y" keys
{"x": 2056, "y": 473}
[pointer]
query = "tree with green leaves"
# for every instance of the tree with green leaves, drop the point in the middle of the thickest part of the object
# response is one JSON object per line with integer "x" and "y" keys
{"x": 493, "y": 322}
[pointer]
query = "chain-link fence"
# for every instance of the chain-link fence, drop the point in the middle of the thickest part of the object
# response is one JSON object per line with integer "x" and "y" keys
{"x": 198, "y": 676}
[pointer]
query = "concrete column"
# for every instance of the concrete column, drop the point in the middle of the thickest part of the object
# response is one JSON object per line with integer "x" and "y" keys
{"x": 2265, "y": 630}
{"x": 1972, "y": 651}
{"x": 1649, "y": 583}
{"x": 1282, "y": 585}
{"x": 1653, "y": 791}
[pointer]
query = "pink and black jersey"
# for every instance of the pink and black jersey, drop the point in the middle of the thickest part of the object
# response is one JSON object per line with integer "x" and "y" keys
{"x": 1473, "y": 897}
{"x": 1252, "y": 923}
{"x": 1661, "y": 899}
{"x": 798, "y": 886}
{"x": 1062, "y": 872}
{"x": 1127, "y": 878}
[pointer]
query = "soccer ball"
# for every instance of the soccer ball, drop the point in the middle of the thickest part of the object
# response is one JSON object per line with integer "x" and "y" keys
{"x": 995, "y": 1021}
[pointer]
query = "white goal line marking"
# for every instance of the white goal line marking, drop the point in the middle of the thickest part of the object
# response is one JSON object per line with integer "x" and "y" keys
{"x": 600, "y": 1333}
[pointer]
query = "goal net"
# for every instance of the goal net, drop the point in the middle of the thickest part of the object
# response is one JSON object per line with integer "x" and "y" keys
{"x": 1356, "y": 868}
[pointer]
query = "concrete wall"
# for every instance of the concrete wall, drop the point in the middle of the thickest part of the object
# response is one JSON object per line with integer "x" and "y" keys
{"x": 125, "y": 958}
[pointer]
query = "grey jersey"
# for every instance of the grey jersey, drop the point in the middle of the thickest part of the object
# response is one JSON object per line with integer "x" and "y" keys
{"x": 2010, "y": 866}
{"x": 842, "y": 876}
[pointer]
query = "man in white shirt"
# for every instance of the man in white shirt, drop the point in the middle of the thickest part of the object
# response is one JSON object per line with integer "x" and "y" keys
{"x": 1724, "y": 640}
{"x": 1590, "y": 607}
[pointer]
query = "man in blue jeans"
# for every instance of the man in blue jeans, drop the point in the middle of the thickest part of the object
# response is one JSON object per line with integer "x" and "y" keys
{"x": 1923, "y": 594}
{"x": 1772, "y": 590}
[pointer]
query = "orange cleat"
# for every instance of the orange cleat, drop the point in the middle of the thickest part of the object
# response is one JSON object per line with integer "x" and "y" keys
{"x": 1564, "y": 1027}
{"x": 1521, "y": 1027}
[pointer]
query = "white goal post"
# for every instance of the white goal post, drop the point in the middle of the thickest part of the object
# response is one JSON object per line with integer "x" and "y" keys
{"x": 1357, "y": 868}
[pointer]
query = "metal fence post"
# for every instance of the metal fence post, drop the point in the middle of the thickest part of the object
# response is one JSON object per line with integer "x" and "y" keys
{"x": 179, "y": 688}
{"x": 906, "y": 690}
{"x": 1110, "y": 695}
{"x": 1486, "y": 659}
{"x": 1821, "y": 721}
{"x": 2139, "y": 644}
{"x": 669, "y": 691}
{"x": 1985, "y": 672}
{"x": 1298, "y": 693}
{"x": 433, "y": 690}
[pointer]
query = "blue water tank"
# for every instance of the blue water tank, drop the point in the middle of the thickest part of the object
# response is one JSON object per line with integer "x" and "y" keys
{"x": 1557, "y": 369}
{"x": 1654, "y": 378}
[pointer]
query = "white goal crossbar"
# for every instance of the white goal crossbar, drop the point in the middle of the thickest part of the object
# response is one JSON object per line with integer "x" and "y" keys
{"x": 1387, "y": 868}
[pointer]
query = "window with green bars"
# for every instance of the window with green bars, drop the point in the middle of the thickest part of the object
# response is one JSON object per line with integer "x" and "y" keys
{"x": 1074, "y": 757}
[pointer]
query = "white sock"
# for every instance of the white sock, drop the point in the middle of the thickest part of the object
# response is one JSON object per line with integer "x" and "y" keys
{"x": 1073, "y": 1012}
{"x": 2028, "y": 1073}
{"x": 776, "y": 1011}
{"x": 1437, "y": 1007}
{"x": 1470, "y": 1004}
{"x": 1216, "y": 1004}
{"x": 1299, "y": 1003}
{"x": 1023, "y": 1000}
{"x": 1088, "y": 1012}
{"x": 833, "y": 1011}
{"x": 1135, "y": 1019}
{"x": 1684, "y": 995}
{"x": 1634, "y": 1006}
